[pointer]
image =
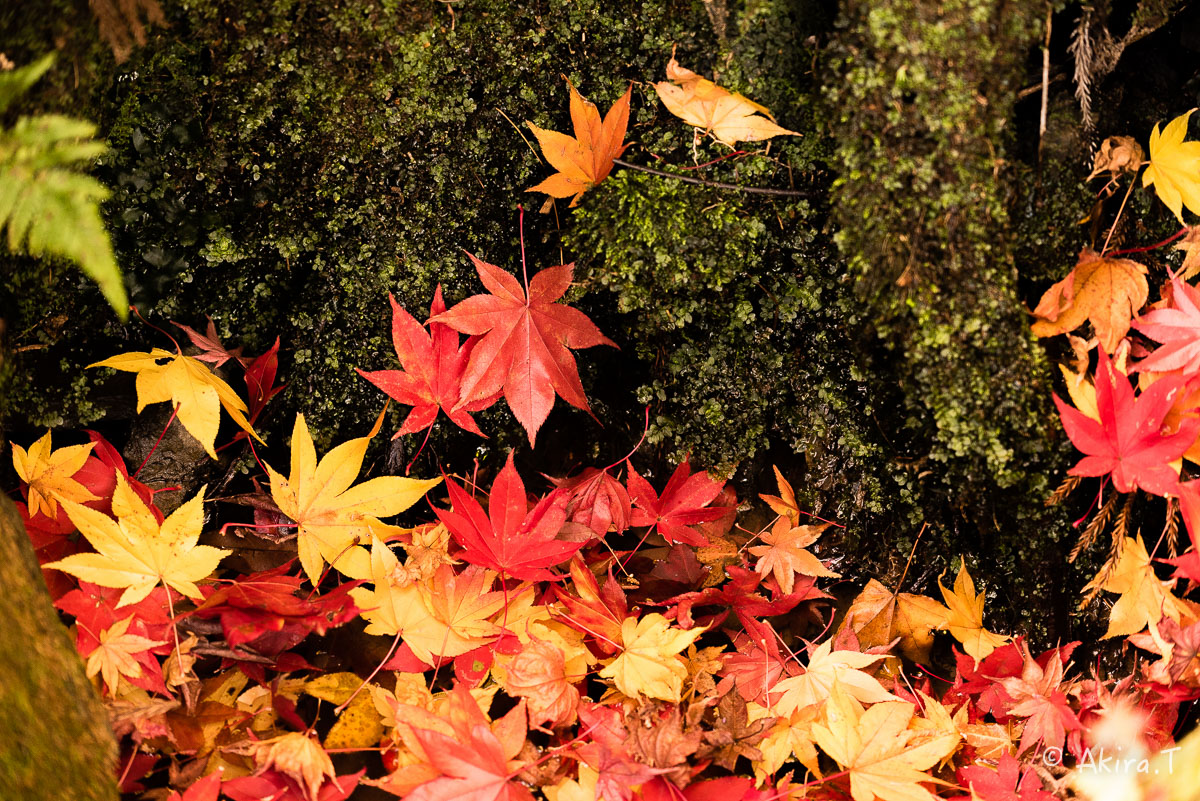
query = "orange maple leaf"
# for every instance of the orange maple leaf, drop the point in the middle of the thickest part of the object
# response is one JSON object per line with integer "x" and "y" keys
{"x": 878, "y": 616}
{"x": 587, "y": 158}
{"x": 49, "y": 474}
{"x": 785, "y": 554}
{"x": 1108, "y": 292}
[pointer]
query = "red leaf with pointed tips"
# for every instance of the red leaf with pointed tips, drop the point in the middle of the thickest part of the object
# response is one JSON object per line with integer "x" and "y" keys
{"x": 1008, "y": 782}
{"x": 211, "y": 349}
{"x": 269, "y": 612}
{"x": 280, "y": 787}
{"x": 681, "y": 506}
{"x": 432, "y": 371}
{"x": 260, "y": 383}
{"x": 1177, "y": 328}
{"x": 512, "y": 538}
{"x": 474, "y": 770}
{"x": 525, "y": 343}
{"x": 597, "y": 501}
{"x": 595, "y": 611}
{"x": 1128, "y": 441}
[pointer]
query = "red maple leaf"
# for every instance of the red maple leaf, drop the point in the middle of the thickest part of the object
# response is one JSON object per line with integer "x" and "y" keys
{"x": 1128, "y": 441}
{"x": 681, "y": 505}
{"x": 1177, "y": 327}
{"x": 607, "y": 752}
{"x": 756, "y": 665}
{"x": 473, "y": 768}
{"x": 209, "y": 343}
{"x": 1008, "y": 782}
{"x": 511, "y": 538}
{"x": 279, "y": 786}
{"x": 595, "y": 611}
{"x": 260, "y": 383}
{"x": 525, "y": 342}
{"x": 432, "y": 371}
{"x": 1039, "y": 697}
{"x": 597, "y": 501}
{"x": 740, "y": 596}
{"x": 268, "y": 612}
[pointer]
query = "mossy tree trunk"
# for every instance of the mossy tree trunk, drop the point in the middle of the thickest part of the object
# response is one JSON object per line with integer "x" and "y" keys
{"x": 54, "y": 735}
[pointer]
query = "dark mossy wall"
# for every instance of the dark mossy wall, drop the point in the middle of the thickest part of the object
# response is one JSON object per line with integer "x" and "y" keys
{"x": 284, "y": 165}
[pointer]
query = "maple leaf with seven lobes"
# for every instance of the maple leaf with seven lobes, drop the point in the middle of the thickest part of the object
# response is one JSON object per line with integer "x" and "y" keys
{"x": 332, "y": 517}
{"x": 525, "y": 341}
{"x": 700, "y": 102}
{"x": 1108, "y": 292}
{"x": 136, "y": 552}
{"x": 965, "y": 620}
{"x": 1174, "y": 167}
{"x": 1127, "y": 441}
{"x": 432, "y": 371}
{"x": 785, "y": 554}
{"x": 511, "y": 538}
{"x": 49, "y": 474}
{"x": 585, "y": 160}
{"x": 876, "y": 748}
{"x": 649, "y": 663}
{"x": 682, "y": 505}
{"x": 196, "y": 392}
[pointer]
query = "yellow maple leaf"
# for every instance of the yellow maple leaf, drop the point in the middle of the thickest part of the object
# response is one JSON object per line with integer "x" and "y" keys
{"x": 49, "y": 474}
{"x": 332, "y": 517}
{"x": 113, "y": 657}
{"x": 444, "y": 615}
{"x": 966, "y": 617}
{"x": 878, "y": 616}
{"x": 1174, "y": 167}
{"x": 1144, "y": 599}
{"x": 1107, "y": 292}
{"x": 587, "y": 158}
{"x": 649, "y": 663}
{"x": 731, "y": 117}
{"x": 195, "y": 391}
{"x": 827, "y": 667}
{"x": 877, "y": 748}
{"x": 359, "y": 725}
{"x": 135, "y": 552}
{"x": 785, "y": 554}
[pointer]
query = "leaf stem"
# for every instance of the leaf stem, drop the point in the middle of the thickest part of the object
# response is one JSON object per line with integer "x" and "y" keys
{"x": 1155, "y": 246}
{"x": 158, "y": 441}
{"x": 524, "y": 271}
{"x": 1113, "y": 229}
{"x": 687, "y": 179}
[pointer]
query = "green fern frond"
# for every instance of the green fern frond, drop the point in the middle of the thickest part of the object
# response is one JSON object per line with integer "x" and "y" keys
{"x": 47, "y": 205}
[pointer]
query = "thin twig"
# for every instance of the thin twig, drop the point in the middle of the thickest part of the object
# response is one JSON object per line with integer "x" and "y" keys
{"x": 1108, "y": 238}
{"x": 1045, "y": 85}
{"x": 687, "y": 179}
